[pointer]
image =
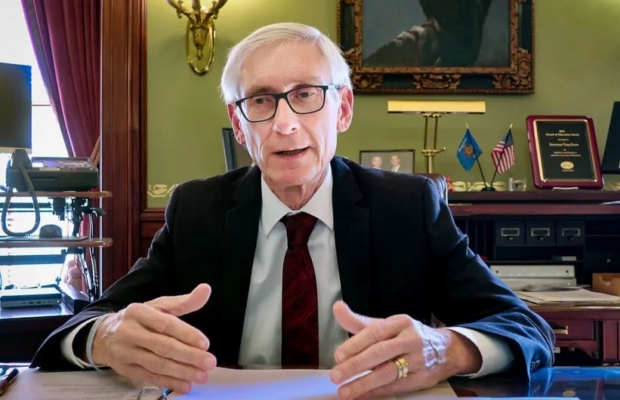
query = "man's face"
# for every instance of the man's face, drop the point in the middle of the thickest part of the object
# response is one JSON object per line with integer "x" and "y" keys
{"x": 377, "y": 161}
{"x": 395, "y": 160}
{"x": 291, "y": 149}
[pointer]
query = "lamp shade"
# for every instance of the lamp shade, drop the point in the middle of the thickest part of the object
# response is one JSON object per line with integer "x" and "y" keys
{"x": 437, "y": 106}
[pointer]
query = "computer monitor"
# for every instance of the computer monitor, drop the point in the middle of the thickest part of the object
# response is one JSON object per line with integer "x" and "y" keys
{"x": 611, "y": 157}
{"x": 15, "y": 107}
{"x": 235, "y": 155}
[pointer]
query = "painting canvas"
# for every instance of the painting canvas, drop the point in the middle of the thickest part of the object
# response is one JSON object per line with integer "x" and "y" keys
{"x": 438, "y": 46}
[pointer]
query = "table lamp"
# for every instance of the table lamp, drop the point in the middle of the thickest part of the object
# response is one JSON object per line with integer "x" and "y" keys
{"x": 435, "y": 109}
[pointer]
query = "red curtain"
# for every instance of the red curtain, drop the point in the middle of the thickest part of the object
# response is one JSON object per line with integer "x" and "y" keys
{"x": 66, "y": 35}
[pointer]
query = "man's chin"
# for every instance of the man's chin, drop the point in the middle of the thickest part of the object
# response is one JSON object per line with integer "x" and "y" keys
{"x": 297, "y": 176}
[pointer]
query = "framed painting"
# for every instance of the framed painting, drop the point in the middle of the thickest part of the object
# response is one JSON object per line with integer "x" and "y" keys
{"x": 389, "y": 160}
{"x": 438, "y": 46}
{"x": 235, "y": 155}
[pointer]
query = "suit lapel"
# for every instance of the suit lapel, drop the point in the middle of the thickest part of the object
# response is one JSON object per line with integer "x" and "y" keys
{"x": 351, "y": 228}
{"x": 351, "y": 231}
{"x": 239, "y": 247}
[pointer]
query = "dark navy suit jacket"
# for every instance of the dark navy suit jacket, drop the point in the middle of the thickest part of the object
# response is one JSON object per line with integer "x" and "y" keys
{"x": 422, "y": 267}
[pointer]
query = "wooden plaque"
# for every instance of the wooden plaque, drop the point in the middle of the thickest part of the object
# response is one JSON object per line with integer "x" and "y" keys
{"x": 564, "y": 152}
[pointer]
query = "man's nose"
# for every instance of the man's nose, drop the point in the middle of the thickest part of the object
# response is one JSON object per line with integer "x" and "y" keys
{"x": 285, "y": 121}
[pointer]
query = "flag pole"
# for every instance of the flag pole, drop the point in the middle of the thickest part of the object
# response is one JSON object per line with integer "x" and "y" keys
{"x": 500, "y": 159}
{"x": 486, "y": 187}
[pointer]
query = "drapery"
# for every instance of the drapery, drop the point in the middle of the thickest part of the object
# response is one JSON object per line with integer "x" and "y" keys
{"x": 66, "y": 36}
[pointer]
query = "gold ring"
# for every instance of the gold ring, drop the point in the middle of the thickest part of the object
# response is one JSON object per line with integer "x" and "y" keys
{"x": 403, "y": 367}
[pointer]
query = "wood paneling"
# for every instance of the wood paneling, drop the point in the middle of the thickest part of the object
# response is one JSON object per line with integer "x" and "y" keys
{"x": 150, "y": 222}
{"x": 123, "y": 131}
{"x": 153, "y": 219}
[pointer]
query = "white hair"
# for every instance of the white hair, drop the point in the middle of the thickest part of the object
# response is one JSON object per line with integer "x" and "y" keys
{"x": 284, "y": 31}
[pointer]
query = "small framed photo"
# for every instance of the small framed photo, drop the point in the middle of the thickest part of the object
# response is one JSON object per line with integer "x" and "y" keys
{"x": 389, "y": 160}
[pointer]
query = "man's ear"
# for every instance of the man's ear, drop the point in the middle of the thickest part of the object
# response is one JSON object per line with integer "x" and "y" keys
{"x": 346, "y": 109}
{"x": 236, "y": 123}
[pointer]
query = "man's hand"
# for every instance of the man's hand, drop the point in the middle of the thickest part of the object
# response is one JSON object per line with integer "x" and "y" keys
{"x": 148, "y": 343}
{"x": 432, "y": 355}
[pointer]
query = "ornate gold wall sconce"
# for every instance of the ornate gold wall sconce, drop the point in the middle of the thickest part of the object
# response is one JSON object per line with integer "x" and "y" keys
{"x": 200, "y": 32}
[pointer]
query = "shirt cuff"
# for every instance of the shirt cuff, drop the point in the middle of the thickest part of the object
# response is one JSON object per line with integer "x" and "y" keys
{"x": 496, "y": 355}
{"x": 66, "y": 344}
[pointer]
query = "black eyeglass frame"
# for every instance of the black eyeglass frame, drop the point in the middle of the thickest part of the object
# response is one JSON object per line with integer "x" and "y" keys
{"x": 284, "y": 95}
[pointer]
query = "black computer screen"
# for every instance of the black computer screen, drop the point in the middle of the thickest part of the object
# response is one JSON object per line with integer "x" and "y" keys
{"x": 611, "y": 157}
{"x": 15, "y": 107}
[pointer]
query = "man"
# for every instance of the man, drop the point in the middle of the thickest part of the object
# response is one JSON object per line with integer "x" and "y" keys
{"x": 395, "y": 161}
{"x": 377, "y": 162}
{"x": 220, "y": 282}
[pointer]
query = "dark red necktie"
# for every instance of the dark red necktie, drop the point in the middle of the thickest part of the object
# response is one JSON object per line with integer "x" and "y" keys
{"x": 300, "y": 315}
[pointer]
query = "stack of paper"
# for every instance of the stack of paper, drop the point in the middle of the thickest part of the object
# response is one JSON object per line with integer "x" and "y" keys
{"x": 568, "y": 297}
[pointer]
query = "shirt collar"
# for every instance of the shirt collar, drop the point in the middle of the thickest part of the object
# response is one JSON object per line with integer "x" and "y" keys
{"x": 319, "y": 206}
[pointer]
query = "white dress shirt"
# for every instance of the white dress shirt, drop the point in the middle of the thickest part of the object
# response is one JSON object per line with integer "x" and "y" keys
{"x": 261, "y": 340}
{"x": 262, "y": 336}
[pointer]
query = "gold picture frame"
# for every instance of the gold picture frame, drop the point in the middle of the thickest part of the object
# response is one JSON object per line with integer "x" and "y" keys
{"x": 401, "y": 160}
{"x": 404, "y": 48}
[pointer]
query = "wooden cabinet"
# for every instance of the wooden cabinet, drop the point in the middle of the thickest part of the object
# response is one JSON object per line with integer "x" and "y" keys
{"x": 581, "y": 228}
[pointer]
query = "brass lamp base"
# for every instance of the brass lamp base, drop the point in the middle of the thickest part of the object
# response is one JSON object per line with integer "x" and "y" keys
{"x": 430, "y": 158}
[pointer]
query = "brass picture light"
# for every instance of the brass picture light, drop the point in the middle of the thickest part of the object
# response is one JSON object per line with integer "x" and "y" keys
{"x": 435, "y": 109}
{"x": 200, "y": 32}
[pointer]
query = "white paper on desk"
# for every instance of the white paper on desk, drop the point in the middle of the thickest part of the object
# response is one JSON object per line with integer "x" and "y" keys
{"x": 276, "y": 384}
{"x": 82, "y": 385}
{"x": 578, "y": 296}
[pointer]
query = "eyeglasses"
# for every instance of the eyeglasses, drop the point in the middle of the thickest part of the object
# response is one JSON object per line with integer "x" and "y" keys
{"x": 303, "y": 100}
{"x": 153, "y": 393}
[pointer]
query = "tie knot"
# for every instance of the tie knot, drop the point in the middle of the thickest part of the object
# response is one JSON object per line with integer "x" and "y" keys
{"x": 298, "y": 228}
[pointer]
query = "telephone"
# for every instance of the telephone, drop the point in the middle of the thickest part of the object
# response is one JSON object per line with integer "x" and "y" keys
{"x": 55, "y": 174}
{"x": 18, "y": 163}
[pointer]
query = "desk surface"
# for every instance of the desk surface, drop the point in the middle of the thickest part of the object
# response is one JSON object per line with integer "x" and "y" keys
{"x": 585, "y": 383}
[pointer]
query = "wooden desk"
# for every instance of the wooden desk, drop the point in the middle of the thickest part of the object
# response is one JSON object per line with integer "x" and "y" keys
{"x": 585, "y": 335}
{"x": 580, "y": 228}
{"x": 584, "y": 383}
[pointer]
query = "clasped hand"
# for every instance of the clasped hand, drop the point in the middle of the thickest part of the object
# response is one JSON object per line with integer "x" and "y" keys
{"x": 148, "y": 343}
{"x": 367, "y": 360}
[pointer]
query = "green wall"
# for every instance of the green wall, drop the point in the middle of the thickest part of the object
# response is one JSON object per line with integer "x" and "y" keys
{"x": 577, "y": 67}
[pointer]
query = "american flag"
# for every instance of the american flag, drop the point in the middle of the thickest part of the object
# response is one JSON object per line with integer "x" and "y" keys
{"x": 503, "y": 154}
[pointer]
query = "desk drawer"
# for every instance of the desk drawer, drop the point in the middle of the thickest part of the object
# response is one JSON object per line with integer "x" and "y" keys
{"x": 510, "y": 233}
{"x": 573, "y": 330}
{"x": 540, "y": 233}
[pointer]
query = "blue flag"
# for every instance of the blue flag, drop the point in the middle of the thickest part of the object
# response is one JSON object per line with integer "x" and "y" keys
{"x": 468, "y": 151}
